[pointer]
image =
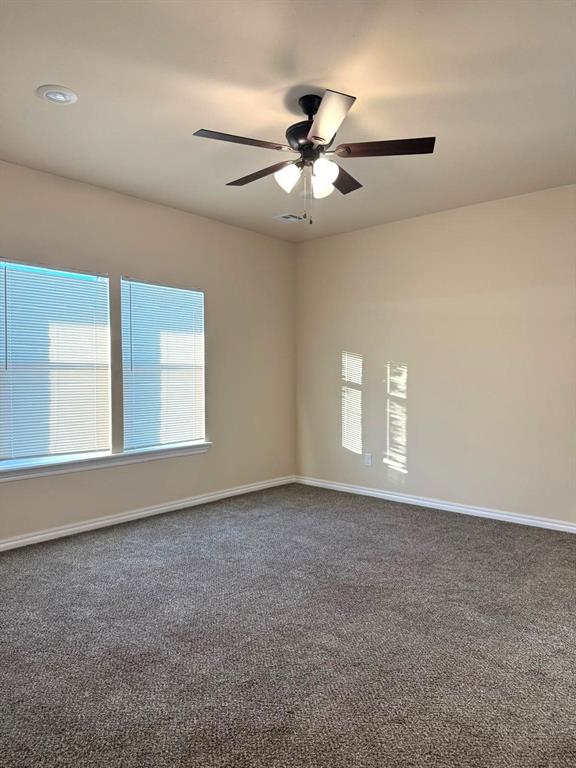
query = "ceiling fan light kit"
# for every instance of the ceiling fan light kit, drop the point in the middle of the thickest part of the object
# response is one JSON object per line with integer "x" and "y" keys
{"x": 312, "y": 139}
{"x": 326, "y": 170}
{"x": 321, "y": 188}
{"x": 288, "y": 177}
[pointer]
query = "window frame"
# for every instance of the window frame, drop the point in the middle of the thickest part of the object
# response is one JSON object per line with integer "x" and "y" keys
{"x": 19, "y": 469}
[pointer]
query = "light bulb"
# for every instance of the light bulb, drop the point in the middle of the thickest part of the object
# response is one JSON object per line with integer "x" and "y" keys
{"x": 326, "y": 170}
{"x": 287, "y": 177}
{"x": 321, "y": 188}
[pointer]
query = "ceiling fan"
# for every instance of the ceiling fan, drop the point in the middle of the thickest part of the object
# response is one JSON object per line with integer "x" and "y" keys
{"x": 312, "y": 139}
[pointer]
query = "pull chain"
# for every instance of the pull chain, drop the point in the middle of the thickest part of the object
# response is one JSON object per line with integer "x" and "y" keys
{"x": 307, "y": 195}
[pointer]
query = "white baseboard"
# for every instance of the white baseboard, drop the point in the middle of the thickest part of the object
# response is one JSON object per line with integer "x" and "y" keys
{"x": 172, "y": 506}
{"x": 446, "y": 506}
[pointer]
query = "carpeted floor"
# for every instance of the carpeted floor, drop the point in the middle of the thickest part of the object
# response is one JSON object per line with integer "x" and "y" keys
{"x": 291, "y": 628}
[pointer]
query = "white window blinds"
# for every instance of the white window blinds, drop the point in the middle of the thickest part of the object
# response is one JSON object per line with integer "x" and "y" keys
{"x": 54, "y": 362}
{"x": 163, "y": 365}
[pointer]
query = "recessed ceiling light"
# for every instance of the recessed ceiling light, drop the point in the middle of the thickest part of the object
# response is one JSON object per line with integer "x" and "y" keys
{"x": 57, "y": 94}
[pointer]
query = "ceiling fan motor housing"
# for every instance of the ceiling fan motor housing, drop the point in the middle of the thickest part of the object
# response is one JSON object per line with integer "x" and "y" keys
{"x": 297, "y": 135}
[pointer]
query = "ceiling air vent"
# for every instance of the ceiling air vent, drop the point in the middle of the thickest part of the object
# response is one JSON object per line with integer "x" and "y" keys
{"x": 289, "y": 217}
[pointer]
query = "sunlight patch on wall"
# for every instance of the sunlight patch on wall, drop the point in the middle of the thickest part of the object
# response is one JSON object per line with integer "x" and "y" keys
{"x": 352, "y": 402}
{"x": 396, "y": 453}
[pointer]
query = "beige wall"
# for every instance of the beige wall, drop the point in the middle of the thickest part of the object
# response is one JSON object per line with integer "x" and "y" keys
{"x": 480, "y": 303}
{"x": 249, "y": 284}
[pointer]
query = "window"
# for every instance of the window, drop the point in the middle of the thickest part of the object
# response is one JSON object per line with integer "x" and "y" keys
{"x": 163, "y": 365}
{"x": 54, "y": 363}
{"x": 56, "y": 366}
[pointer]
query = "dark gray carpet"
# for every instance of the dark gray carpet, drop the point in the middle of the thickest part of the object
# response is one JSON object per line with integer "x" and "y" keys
{"x": 292, "y": 628}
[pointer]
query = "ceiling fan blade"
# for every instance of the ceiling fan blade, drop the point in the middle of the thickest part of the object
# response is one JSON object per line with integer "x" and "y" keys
{"x": 381, "y": 148}
{"x": 205, "y": 134}
{"x": 345, "y": 183}
{"x": 330, "y": 116}
{"x": 260, "y": 174}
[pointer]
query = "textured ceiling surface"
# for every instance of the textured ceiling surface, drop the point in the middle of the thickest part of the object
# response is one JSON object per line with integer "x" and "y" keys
{"x": 493, "y": 80}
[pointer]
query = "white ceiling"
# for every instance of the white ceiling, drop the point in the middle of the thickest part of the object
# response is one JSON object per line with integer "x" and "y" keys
{"x": 494, "y": 81}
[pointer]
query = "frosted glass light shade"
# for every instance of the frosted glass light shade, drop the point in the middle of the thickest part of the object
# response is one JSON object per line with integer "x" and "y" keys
{"x": 326, "y": 170}
{"x": 287, "y": 177}
{"x": 321, "y": 188}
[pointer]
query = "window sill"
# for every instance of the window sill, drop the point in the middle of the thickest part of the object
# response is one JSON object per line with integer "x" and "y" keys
{"x": 59, "y": 465}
